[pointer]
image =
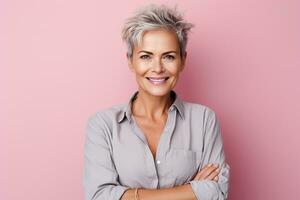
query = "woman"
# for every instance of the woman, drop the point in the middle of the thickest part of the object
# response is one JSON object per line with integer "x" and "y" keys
{"x": 156, "y": 146}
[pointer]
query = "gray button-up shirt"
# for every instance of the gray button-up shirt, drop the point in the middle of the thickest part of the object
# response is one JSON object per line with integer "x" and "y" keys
{"x": 117, "y": 156}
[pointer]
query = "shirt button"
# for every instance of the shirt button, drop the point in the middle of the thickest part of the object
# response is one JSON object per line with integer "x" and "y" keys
{"x": 158, "y": 162}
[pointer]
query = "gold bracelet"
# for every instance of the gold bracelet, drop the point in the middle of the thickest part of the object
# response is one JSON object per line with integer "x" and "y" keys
{"x": 136, "y": 195}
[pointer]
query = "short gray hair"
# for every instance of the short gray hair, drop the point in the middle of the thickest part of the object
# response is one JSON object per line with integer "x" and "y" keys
{"x": 152, "y": 17}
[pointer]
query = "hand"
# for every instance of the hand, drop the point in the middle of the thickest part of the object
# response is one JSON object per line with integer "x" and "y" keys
{"x": 209, "y": 172}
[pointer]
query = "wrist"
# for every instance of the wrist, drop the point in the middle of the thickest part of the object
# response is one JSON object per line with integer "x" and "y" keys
{"x": 128, "y": 194}
{"x": 136, "y": 194}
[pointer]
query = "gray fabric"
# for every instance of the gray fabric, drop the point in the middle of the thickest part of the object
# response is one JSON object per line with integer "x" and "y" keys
{"x": 117, "y": 156}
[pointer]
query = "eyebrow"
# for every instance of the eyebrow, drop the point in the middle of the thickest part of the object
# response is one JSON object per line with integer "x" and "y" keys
{"x": 152, "y": 53}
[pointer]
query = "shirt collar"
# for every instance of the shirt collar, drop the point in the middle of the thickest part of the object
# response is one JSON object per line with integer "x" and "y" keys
{"x": 126, "y": 111}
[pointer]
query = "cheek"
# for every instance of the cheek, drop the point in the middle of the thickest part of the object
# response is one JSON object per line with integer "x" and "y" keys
{"x": 140, "y": 76}
{"x": 174, "y": 69}
{"x": 140, "y": 67}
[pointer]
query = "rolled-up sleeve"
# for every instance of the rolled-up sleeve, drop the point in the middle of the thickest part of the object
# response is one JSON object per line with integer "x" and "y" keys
{"x": 213, "y": 153}
{"x": 100, "y": 178}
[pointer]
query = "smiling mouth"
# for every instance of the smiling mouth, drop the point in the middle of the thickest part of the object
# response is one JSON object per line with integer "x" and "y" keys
{"x": 157, "y": 81}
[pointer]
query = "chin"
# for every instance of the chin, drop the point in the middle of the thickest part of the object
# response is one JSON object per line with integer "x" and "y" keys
{"x": 158, "y": 91}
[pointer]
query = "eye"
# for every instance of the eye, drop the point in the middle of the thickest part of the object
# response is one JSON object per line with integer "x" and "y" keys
{"x": 170, "y": 57}
{"x": 145, "y": 57}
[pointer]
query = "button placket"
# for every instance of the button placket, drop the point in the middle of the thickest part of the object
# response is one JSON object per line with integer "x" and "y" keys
{"x": 159, "y": 150}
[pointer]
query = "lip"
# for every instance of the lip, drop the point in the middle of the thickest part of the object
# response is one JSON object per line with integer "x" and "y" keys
{"x": 163, "y": 77}
{"x": 157, "y": 81}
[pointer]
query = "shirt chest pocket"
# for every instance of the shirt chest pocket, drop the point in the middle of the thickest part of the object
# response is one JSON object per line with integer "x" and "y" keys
{"x": 182, "y": 164}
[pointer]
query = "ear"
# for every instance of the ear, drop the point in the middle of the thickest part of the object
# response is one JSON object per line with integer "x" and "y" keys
{"x": 183, "y": 59}
{"x": 129, "y": 60}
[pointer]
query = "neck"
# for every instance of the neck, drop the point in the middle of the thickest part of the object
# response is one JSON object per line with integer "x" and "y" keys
{"x": 151, "y": 107}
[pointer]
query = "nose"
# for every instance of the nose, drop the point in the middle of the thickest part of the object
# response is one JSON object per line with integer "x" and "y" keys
{"x": 157, "y": 66}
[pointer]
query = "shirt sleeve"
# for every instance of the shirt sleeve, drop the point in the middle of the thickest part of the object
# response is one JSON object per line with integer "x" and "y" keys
{"x": 100, "y": 178}
{"x": 212, "y": 153}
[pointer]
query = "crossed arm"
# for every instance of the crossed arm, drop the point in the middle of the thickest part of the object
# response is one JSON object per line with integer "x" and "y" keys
{"x": 100, "y": 178}
{"x": 182, "y": 192}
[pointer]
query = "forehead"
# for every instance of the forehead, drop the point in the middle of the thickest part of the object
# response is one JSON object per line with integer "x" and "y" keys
{"x": 159, "y": 40}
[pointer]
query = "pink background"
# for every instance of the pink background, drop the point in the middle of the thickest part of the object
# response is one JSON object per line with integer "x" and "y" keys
{"x": 63, "y": 60}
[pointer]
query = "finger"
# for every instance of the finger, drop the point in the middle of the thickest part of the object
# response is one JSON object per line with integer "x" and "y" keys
{"x": 202, "y": 171}
{"x": 209, "y": 171}
{"x": 216, "y": 178}
{"x": 206, "y": 172}
{"x": 213, "y": 174}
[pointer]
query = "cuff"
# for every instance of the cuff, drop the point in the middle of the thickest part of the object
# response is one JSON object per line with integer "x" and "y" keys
{"x": 206, "y": 190}
{"x": 119, "y": 191}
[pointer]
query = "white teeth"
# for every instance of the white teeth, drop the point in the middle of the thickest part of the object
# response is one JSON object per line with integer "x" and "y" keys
{"x": 157, "y": 81}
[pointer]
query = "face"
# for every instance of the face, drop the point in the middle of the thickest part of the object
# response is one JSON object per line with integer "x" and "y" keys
{"x": 156, "y": 62}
